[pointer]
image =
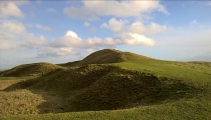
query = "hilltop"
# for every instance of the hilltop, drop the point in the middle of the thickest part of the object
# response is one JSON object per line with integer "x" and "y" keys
{"x": 35, "y": 69}
{"x": 111, "y": 56}
{"x": 109, "y": 80}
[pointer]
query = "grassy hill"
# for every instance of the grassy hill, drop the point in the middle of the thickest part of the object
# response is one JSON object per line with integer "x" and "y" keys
{"x": 110, "y": 84}
{"x": 30, "y": 70}
{"x": 110, "y": 56}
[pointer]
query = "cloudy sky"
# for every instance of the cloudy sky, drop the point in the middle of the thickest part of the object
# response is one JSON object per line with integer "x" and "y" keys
{"x": 64, "y": 31}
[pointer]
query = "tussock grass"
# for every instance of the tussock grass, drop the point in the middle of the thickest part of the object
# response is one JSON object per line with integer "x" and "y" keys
{"x": 19, "y": 102}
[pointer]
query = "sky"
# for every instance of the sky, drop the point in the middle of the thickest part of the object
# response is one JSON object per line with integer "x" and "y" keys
{"x": 69, "y": 30}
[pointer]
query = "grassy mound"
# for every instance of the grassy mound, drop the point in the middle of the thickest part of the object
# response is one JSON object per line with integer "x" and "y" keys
{"x": 110, "y": 56}
{"x": 123, "y": 89}
{"x": 129, "y": 87}
{"x": 66, "y": 80}
{"x": 106, "y": 87}
{"x": 30, "y": 70}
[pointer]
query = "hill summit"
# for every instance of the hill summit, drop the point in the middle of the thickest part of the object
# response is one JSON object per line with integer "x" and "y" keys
{"x": 111, "y": 56}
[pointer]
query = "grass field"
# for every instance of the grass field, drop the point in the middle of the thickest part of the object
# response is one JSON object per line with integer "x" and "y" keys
{"x": 135, "y": 88}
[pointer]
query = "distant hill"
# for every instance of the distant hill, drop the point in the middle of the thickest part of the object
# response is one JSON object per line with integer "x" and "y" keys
{"x": 30, "y": 70}
{"x": 110, "y": 56}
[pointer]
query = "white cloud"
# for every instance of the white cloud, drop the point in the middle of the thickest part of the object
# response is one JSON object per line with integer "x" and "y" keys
{"x": 114, "y": 25}
{"x": 152, "y": 28}
{"x": 13, "y": 27}
{"x": 42, "y": 27}
{"x": 113, "y": 8}
{"x": 31, "y": 41}
{"x": 135, "y": 27}
{"x": 124, "y": 39}
{"x": 10, "y": 9}
{"x": 6, "y": 41}
{"x": 136, "y": 39}
{"x": 56, "y": 52}
{"x": 97, "y": 42}
{"x": 86, "y": 24}
{"x": 14, "y": 35}
{"x": 70, "y": 39}
{"x": 94, "y": 41}
{"x": 71, "y": 33}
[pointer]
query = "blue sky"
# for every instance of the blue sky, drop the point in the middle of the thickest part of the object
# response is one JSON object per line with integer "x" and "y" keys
{"x": 64, "y": 31}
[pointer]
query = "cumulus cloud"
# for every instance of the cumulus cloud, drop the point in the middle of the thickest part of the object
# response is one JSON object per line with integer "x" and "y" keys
{"x": 56, "y": 52}
{"x": 31, "y": 41}
{"x": 135, "y": 27}
{"x": 137, "y": 39}
{"x": 152, "y": 28}
{"x": 6, "y": 41}
{"x": 14, "y": 35}
{"x": 123, "y": 39}
{"x": 71, "y": 33}
{"x": 10, "y": 32}
{"x": 10, "y": 9}
{"x": 42, "y": 27}
{"x": 114, "y": 24}
{"x": 13, "y": 27}
{"x": 99, "y": 42}
{"x": 113, "y": 8}
{"x": 70, "y": 39}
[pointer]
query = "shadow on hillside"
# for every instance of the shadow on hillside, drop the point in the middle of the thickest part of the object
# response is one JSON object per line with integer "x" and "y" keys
{"x": 121, "y": 90}
{"x": 51, "y": 102}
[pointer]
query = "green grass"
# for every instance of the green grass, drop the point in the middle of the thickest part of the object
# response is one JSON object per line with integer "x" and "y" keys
{"x": 181, "y": 110}
{"x": 196, "y": 74}
{"x": 110, "y": 56}
{"x": 136, "y": 88}
{"x": 35, "y": 69}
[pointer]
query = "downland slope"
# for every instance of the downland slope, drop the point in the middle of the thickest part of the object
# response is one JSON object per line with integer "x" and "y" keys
{"x": 110, "y": 56}
{"x": 132, "y": 85}
{"x": 35, "y": 69}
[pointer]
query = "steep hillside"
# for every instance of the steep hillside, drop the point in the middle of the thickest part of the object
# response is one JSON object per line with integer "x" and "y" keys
{"x": 30, "y": 70}
{"x": 110, "y": 56}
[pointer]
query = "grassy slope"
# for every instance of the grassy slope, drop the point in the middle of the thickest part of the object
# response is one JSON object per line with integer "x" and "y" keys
{"x": 35, "y": 69}
{"x": 185, "y": 91}
{"x": 110, "y": 56}
{"x": 193, "y": 73}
